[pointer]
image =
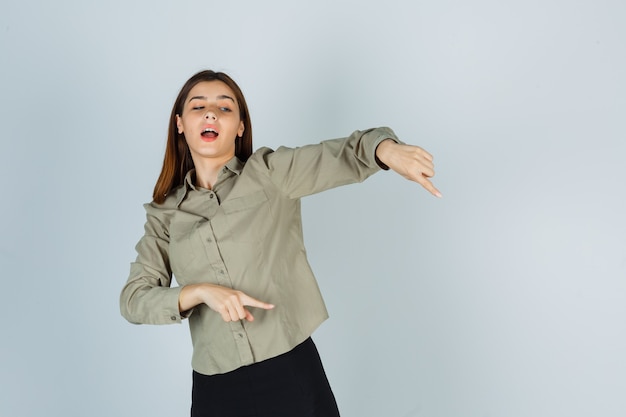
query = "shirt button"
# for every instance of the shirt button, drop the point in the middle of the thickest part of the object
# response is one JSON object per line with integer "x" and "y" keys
{"x": 173, "y": 318}
{"x": 209, "y": 240}
{"x": 211, "y": 195}
{"x": 222, "y": 271}
{"x": 240, "y": 335}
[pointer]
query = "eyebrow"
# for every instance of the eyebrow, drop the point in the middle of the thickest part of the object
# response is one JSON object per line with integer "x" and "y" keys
{"x": 220, "y": 97}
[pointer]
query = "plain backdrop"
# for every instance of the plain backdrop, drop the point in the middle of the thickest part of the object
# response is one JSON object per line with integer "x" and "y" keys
{"x": 506, "y": 298}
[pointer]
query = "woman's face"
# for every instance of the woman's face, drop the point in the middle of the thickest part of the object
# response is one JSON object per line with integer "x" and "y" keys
{"x": 210, "y": 121}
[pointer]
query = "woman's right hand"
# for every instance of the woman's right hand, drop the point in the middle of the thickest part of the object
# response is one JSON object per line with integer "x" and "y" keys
{"x": 229, "y": 303}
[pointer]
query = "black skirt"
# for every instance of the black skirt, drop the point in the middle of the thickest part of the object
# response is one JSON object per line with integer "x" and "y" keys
{"x": 293, "y": 384}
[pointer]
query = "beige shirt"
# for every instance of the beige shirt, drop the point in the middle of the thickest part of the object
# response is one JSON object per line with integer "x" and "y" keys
{"x": 246, "y": 234}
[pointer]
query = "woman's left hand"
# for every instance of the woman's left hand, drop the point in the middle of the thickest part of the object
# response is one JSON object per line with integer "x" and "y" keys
{"x": 412, "y": 162}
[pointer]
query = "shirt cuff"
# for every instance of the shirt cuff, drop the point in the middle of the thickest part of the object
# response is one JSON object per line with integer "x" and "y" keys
{"x": 171, "y": 311}
{"x": 385, "y": 134}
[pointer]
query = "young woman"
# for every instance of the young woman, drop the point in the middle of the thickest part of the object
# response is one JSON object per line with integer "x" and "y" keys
{"x": 226, "y": 223}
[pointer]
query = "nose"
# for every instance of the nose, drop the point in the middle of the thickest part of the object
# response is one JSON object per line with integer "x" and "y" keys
{"x": 210, "y": 116}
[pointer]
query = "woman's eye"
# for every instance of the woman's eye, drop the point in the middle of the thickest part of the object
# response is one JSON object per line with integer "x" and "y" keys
{"x": 197, "y": 108}
{"x": 226, "y": 109}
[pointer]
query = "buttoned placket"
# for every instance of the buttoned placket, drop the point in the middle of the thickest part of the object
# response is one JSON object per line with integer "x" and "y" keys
{"x": 211, "y": 247}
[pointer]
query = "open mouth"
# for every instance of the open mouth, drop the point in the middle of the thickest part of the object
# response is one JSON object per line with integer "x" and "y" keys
{"x": 209, "y": 133}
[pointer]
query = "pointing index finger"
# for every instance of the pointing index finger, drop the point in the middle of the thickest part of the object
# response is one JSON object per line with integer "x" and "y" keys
{"x": 253, "y": 302}
{"x": 428, "y": 185}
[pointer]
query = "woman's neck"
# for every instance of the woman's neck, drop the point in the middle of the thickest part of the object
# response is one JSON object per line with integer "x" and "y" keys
{"x": 207, "y": 171}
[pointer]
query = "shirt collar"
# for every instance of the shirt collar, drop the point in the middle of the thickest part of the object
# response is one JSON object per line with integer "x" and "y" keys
{"x": 234, "y": 165}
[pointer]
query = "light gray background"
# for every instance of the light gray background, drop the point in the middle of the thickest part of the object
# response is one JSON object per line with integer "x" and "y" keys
{"x": 505, "y": 298}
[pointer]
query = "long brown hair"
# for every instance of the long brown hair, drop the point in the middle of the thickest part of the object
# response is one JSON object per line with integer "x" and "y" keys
{"x": 177, "y": 161}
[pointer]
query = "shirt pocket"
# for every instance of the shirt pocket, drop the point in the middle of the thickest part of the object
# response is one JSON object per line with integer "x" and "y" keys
{"x": 185, "y": 243}
{"x": 248, "y": 218}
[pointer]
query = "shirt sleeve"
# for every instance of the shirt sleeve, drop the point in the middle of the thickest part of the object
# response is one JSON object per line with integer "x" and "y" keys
{"x": 314, "y": 168}
{"x": 147, "y": 297}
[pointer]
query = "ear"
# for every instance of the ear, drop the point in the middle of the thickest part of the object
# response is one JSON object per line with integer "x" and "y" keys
{"x": 179, "y": 124}
{"x": 241, "y": 128}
